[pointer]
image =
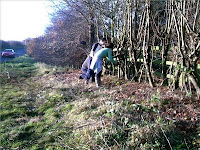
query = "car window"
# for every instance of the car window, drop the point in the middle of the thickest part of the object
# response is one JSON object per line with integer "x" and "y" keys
{"x": 9, "y": 50}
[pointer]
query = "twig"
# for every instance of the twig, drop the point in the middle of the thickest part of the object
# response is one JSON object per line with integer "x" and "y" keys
{"x": 166, "y": 138}
{"x": 84, "y": 125}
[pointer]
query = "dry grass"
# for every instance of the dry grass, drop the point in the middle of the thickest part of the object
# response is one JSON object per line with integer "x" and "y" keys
{"x": 55, "y": 110}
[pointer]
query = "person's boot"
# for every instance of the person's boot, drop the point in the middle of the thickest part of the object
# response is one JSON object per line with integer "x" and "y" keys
{"x": 81, "y": 77}
{"x": 98, "y": 82}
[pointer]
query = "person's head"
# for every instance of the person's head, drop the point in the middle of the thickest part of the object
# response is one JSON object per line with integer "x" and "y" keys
{"x": 110, "y": 45}
{"x": 102, "y": 41}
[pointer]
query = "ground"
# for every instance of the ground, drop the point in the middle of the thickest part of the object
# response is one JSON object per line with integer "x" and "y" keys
{"x": 48, "y": 107}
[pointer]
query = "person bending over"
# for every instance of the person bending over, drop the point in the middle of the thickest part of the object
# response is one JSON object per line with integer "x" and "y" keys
{"x": 86, "y": 64}
{"x": 96, "y": 64}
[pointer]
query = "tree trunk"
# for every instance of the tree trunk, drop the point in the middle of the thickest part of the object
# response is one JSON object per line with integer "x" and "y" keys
{"x": 91, "y": 30}
{"x": 165, "y": 48}
{"x": 146, "y": 48}
{"x": 195, "y": 84}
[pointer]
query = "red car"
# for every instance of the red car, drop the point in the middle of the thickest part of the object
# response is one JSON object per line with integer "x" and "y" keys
{"x": 8, "y": 53}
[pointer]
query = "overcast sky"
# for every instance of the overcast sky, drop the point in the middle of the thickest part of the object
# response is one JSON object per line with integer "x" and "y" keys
{"x": 22, "y": 19}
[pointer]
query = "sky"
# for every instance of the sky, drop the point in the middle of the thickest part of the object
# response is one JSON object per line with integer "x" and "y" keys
{"x": 22, "y": 19}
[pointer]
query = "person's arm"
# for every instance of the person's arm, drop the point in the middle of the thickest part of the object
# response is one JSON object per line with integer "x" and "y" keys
{"x": 110, "y": 57}
{"x": 115, "y": 56}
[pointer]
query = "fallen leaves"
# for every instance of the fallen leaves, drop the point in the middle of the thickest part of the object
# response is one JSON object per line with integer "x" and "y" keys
{"x": 173, "y": 105}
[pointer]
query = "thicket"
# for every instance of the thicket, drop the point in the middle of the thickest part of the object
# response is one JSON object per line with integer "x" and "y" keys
{"x": 61, "y": 45}
{"x": 158, "y": 41}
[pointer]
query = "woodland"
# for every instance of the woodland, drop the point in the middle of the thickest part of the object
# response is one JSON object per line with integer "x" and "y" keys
{"x": 150, "y": 101}
{"x": 157, "y": 41}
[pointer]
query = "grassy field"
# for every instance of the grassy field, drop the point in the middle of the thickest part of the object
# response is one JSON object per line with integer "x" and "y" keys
{"x": 47, "y": 107}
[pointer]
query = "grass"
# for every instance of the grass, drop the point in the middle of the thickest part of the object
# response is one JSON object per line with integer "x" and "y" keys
{"x": 19, "y": 69}
{"x": 40, "y": 110}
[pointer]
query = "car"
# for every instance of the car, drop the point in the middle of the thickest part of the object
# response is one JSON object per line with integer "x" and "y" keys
{"x": 8, "y": 53}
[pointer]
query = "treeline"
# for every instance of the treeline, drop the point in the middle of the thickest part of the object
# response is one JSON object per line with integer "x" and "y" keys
{"x": 64, "y": 42}
{"x": 158, "y": 40}
{"x": 11, "y": 44}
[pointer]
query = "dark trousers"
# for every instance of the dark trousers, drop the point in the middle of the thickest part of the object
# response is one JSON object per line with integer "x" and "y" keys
{"x": 87, "y": 73}
{"x": 91, "y": 73}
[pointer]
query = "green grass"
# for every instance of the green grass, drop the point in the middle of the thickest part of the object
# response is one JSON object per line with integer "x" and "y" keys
{"x": 17, "y": 69}
{"x": 70, "y": 116}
